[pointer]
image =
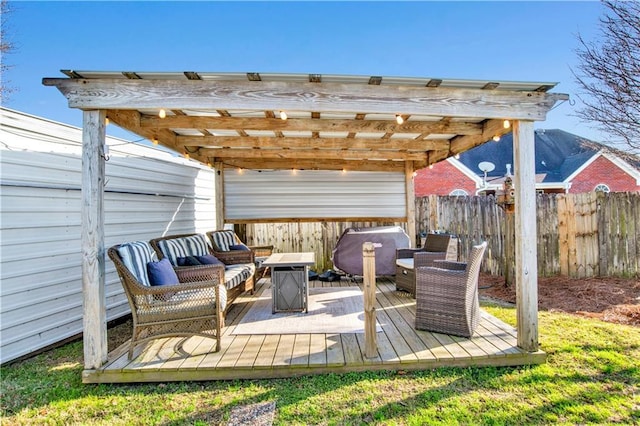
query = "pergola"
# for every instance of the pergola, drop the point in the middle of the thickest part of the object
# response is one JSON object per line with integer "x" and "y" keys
{"x": 305, "y": 121}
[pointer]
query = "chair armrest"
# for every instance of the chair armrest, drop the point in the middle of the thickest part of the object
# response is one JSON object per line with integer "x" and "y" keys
{"x": 427, "y": 258}
{"x": 406, "y": 253}
{"x": 261, "y": 251}
{"x": 450, "y": 264}
{"x": 167, "y": 291}
{"x": 233, "y": 257}
{"x": 188, "y": 274}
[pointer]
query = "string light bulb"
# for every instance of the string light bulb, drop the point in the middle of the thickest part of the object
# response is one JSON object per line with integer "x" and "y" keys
{"x": 399, "y": 119}
{"x": 344, "y": 171}
{"x": 415, "y": 174}
{"x": 162, "y": 113}
{"x": 431, "y": 166}
{"x": 209, "y": 164}
{"x": 457, "y": 156}
{"x": 154, "y": 141}
{"x": 106, "y": 121}
{"x": 240, "y": 170}
{"x": 294, "y": 171}
{"x": 283, "y": 115}
{"x": 496, "y": 138}
{"x": 506, "y": 124}
{"x": 186, "y": 155}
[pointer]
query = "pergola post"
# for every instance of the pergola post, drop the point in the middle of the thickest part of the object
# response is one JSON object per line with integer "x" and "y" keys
{"x": 219, "y": 196}
{"x": 410, "y": 201}
{"x": 92, "y": 239}
{"x": 526, "y": 235}
{"x": 369, "y": 281}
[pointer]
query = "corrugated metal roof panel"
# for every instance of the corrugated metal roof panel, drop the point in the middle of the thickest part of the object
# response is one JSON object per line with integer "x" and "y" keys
{"x": 335, "y": 78}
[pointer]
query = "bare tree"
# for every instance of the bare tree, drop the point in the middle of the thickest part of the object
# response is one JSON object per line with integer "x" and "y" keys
{"x": 609, "y": 73}
{"x": 6, "y": 47}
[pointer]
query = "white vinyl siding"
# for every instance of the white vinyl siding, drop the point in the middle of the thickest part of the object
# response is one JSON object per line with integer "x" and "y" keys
{"x": 308, "y": 194}
{"x": 148, "y": 193}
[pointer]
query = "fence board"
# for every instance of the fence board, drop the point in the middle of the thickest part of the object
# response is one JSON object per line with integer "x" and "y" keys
{"x": 579, "y": 235}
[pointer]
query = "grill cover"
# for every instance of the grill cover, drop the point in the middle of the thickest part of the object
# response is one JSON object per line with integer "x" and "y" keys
{"x": 347, "y": 255}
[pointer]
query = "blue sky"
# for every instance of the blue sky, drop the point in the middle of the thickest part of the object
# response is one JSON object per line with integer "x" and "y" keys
{"x": 522, "y": 41}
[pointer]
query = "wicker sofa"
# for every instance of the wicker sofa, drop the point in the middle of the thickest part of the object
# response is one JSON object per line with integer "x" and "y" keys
{"x": 239, "y": 272}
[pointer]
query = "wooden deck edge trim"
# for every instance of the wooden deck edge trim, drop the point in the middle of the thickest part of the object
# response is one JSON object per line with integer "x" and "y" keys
{"x": 142, "y": 376}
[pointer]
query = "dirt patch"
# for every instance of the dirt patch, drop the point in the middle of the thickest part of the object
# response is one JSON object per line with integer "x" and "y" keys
{"x": 609, "y": 299}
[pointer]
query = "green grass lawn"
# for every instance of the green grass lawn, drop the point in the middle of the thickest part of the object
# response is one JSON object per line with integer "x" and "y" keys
{"x": 591, "y": 377}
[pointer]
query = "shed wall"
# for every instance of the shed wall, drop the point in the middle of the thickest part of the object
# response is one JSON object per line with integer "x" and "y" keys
{"x": 148, "y": 193}
{"x": 320, "y": 194}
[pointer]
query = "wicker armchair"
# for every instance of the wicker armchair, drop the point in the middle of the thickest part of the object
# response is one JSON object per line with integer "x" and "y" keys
{"x": 190, "y": 308}
{"x": 436, "y": 247}
{"x": 447, "y": 295}
{"x": 222, "y": 240}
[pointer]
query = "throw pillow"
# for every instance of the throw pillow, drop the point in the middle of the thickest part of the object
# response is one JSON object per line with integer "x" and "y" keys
{"x": 162, "y": 273}
{"x": 188, "y": 261}
{"x": 239, "y": 247}
{"x": 209, "y": 259}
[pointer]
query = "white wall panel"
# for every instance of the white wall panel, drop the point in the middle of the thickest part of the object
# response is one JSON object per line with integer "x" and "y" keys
{"x": 148, "y": 193}
{"x": 281, "y": 194}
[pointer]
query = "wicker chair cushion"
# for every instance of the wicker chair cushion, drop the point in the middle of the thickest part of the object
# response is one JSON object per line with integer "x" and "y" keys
{"x": 405, "y": 263}
{"x": 194, "y": 245}
{"x": 135, "y": 256}
{"x": 236, "y": 274}
{"x": 223, "y": 240}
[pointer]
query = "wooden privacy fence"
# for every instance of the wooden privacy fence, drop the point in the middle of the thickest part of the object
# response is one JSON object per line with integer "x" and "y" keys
{"x": 318, "y": 237}
{"x": 579, "y": 235}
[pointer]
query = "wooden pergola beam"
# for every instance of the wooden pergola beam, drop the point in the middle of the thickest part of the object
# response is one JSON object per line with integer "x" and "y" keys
{"x": 309, "y": 154}
{"x": 310, "y": 164}
{"x": 309, "y": 142}
{"x": 310, "y": 124}
{"x": 303, "y": 96}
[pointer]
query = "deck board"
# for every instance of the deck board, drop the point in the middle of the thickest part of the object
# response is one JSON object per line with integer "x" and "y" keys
{"x": 400, "y": 346}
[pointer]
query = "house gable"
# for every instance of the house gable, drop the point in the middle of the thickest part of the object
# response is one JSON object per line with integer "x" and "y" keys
{"x": 444, "y": 178}
{"x": 604, "y": 169}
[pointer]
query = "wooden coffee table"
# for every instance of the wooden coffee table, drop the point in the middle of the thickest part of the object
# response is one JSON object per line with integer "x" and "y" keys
{"x": 290, "y": 281}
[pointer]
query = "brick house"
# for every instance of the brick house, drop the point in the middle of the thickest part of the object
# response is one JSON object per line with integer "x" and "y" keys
{"x": 565, "y": 163}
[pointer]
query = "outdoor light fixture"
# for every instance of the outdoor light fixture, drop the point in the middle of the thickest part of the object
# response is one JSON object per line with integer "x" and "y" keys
{"x": 506, "y": 124}
{"x": 106, "y": 121}
{"x": 399, "y": 119}
{"x": 162, "y": 113}
{"x": 496, "y": 138}
{"x": 283, "y": 115}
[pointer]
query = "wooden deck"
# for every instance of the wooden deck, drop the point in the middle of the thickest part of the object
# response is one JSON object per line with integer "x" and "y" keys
{"x": 400, "y": 347}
